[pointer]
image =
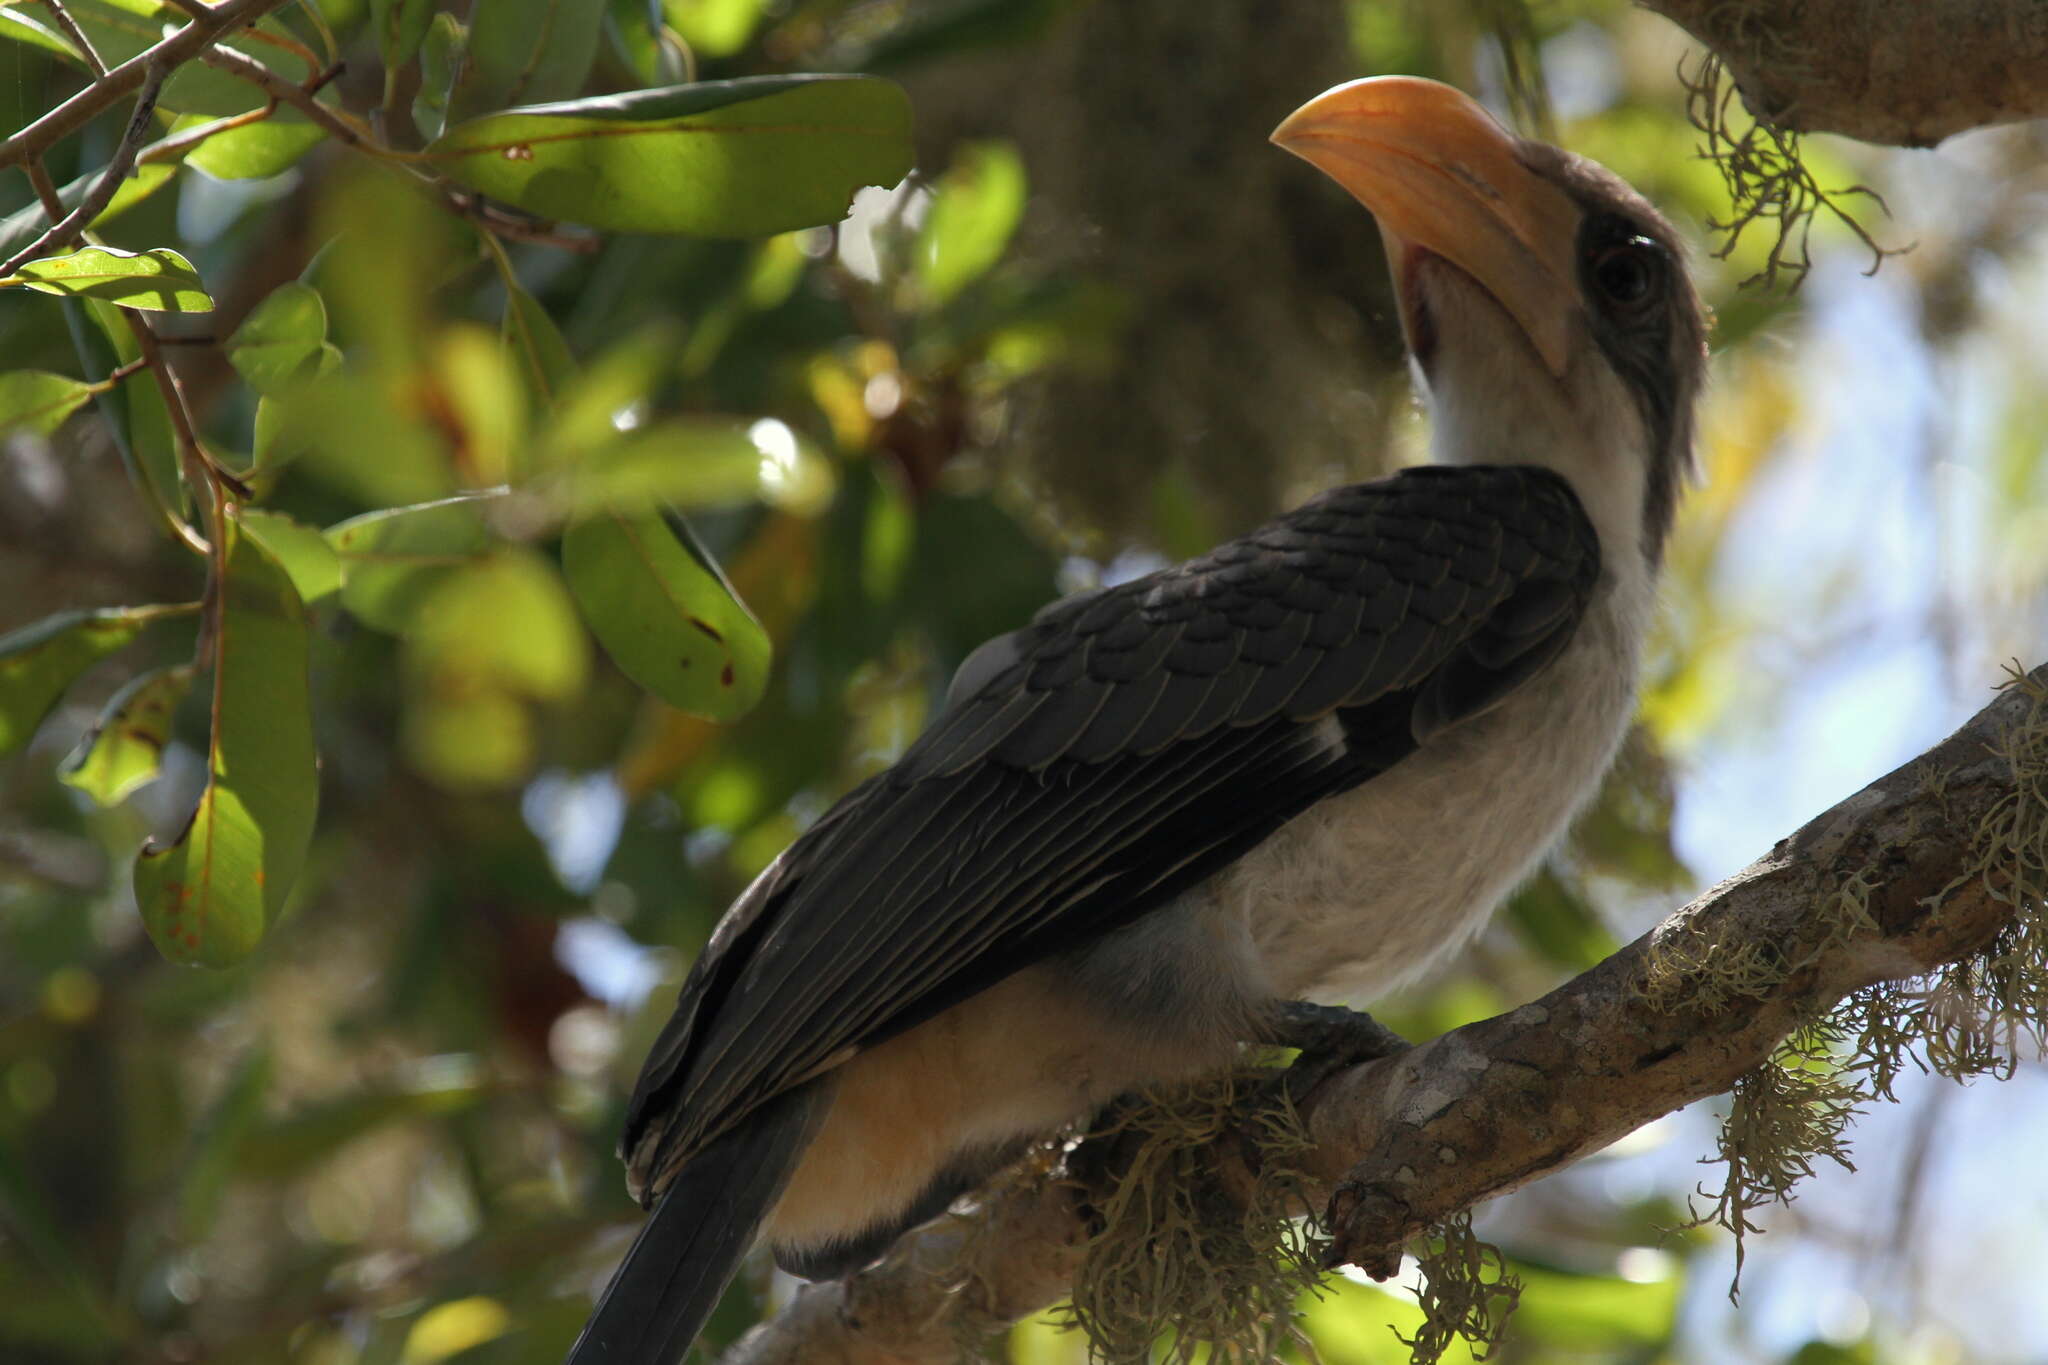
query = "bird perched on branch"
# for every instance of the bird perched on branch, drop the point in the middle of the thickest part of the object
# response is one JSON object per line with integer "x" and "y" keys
{"x": 1304, "y": 765}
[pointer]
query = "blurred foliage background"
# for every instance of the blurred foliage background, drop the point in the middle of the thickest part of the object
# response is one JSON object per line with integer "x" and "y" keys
{"x": 1100, "y": 326}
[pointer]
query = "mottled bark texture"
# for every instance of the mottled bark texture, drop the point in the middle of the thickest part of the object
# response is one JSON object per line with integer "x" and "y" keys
{"x": 1904, "y": 73}
{"x": 1406, "y": 1141}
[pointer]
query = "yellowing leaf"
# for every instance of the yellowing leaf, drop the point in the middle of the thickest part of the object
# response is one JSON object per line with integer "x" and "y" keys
{"x": 125, "y": 748}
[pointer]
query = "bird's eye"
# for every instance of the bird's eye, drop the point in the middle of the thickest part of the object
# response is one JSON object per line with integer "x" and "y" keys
{"x": 1626, "y": 273}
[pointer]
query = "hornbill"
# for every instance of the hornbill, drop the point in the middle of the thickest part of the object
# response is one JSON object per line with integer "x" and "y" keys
{"x": 1304, "y": 765}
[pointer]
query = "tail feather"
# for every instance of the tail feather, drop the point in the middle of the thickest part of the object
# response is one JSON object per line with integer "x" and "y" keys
{"x": 679, "y": 1266}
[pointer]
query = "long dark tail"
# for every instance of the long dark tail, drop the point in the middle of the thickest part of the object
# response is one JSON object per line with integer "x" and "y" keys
{"x": 678, "y": 1267}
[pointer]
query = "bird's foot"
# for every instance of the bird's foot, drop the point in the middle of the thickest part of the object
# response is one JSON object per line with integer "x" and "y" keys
{"x": 1331, "y": 1038}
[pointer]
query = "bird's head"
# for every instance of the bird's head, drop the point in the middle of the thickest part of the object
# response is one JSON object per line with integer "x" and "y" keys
{"x": 1545, "y": 302}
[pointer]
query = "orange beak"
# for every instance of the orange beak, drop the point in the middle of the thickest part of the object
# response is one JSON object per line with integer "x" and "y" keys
{"x": 1440, "y": 175}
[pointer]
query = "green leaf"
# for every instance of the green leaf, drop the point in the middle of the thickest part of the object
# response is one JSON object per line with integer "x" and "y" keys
{"x": 39, "y": 661}
{"x": 714, "y": 28}
{"x": 391, "y": 560}
{"x": 306, "y": 554}
{"x": 25, "y": 225}
{"x": 401, "y": 26}
{"x": 280, "y": 342}
{"x": 667, "y": 617}
{"x": 719, "y": 159}
{"x": 545, "y": 360}
{"x": 980, "y": 200}
{"x": 353, "y": 430}
{"x": 208, "y": 896}
{"x": 440, "y": 66}
{"x": 38, "y": 401}
{"x": 528, "y": 50}
{"x": 125, "y": 747}
{"x": 470, "y": 678}
{"x": 134, "y": 410}
{"x": 255, "y": 151}
{"x": 695, "y": 462}
{"x": 122, "y": 29}
{"x": 159, "y": 280}
{"x": 17, "y": 26}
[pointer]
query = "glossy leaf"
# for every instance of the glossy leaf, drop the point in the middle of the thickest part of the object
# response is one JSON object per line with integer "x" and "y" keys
{"x": 256, "y": 151}
{"x": 720, "y": 159}
{"x": 157, "y": 280}
{"x": 209, "y": 895}
{"x": 39, "y": 661}
{"x": 666, "y": 616}
{"x": 38, "y": 401}
{"x": 305, "y": 554}
{"x": 125, "y": 747}
{"x": 979, "y": 203}
{"x": 694, "y": 463}
{"x": 280, "y": 342}
{"x": 19, "y": 26}
{"x": 390, "y": 560}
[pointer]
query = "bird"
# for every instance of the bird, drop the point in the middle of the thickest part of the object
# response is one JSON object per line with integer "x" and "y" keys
{"x": 1163, "y": 820}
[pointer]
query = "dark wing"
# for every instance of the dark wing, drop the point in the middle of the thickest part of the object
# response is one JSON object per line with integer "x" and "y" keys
{"x": 1117, "y": 750}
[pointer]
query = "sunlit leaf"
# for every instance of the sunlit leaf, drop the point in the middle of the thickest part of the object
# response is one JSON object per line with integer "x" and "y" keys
{"x": 713, "y": 28}
{"x": 669, "y": 620}
{"x": 38, "y": 401}
{"x": 125, "y": 747}
{"x": 471, "y": 675}
{"x": 479, "y": 403}
{"x": 721, "y": 159}
{"x": 280, "y": 341}
{"x": 695, "y": 463}
{"x": 527, "y": 51}
{"x": 449, "y": 1329}
{"x": 122, "y": 29}
{"x": 1585, "y": 1313}
{"x": 39, "y": 661}
{"x": 25, "y": 225}
{"x": 979, "y": 203}
{"x": 390, "y": 560}
{"x": 303, "y": 552}
{"x": 256, "y": 151}
{"x": 19, "y": 26}
{"x": 209, "y": 895}
{"x": 159, "y": 280}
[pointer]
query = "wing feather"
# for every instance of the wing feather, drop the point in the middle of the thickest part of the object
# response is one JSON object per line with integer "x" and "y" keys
{"x": 1096, "y": 763}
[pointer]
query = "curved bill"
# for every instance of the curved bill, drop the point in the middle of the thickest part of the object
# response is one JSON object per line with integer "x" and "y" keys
{"x": 1438, "y": 173}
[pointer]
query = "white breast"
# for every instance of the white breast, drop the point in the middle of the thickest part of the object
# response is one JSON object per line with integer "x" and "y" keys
{"x": 1365, "y": 890}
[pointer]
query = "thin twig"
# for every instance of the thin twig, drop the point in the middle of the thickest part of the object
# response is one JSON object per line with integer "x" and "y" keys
{"x": 210, "y": 472}
{"x": 45, "y": 188}
{"x": 77, "y": 36}
{"x": 188, "y": 42}
{"x": 71, "y": 227}
{"x": 504, "y": 222}
{"x": 169, "y": 148}
{"x": 299, "y": 97}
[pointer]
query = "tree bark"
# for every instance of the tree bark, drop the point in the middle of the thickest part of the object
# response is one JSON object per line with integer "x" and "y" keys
{"x": 1409, "y": 1140}
{"x": 1904, "y": 73}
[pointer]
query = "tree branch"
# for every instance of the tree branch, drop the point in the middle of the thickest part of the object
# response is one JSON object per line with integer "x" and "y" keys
{"x": 181, "y": 46}
{"x": 1902, "y": 74}
{"x": 1404, "y": 1142}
